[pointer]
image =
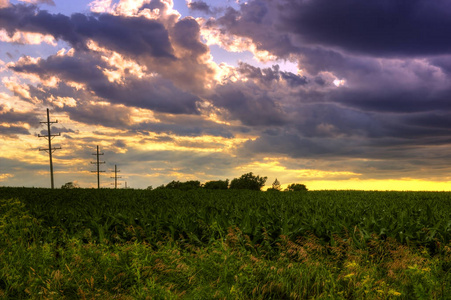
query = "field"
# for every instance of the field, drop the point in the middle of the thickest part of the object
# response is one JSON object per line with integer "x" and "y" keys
{"x": 232, "y": 244}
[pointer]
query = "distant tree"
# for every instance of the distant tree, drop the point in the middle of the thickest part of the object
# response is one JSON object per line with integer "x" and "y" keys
{"x": 217, "y": 184}
{"x": 160, "y": 187}
{"x": 149, "y": 188}
{"x": 183, "y": 186}
{"x": 249, "y": 182}
{"x": 296, "y": 187}
{"x": 275, "y": 186}
{"x": 70, "y": 185}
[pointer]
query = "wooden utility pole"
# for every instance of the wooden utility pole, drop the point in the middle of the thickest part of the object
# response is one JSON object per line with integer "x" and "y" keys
{"x": 98, "y": 163}
{"x": 49, "y": 136}
{"x": 115, "y": 176}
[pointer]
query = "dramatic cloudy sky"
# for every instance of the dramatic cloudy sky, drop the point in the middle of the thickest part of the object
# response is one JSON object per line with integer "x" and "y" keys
{"x": 346, "y": 94}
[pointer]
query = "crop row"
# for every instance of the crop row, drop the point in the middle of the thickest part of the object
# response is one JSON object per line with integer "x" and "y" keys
{"x": 202, "y": 216}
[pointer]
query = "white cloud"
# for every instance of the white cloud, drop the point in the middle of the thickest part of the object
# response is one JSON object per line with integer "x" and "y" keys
{"x": 28, "y": 38}
{"x": 101, "y": 6}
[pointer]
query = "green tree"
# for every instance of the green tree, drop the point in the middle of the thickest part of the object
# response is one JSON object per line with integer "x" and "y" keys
{"x": 70, "y": 185}
{"x": 248, "y": 182}
{"x": 184, "y": 186}
{"x": 296, "y": 187}
{"x": 217, "y": 184}
{"x": 275, "y": 186}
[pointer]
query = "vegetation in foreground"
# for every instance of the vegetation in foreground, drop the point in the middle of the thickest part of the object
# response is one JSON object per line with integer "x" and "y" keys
{"x": 170, "y": 244}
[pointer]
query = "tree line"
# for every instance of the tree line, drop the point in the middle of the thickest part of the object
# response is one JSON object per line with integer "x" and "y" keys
{"x": 247, "y": 181}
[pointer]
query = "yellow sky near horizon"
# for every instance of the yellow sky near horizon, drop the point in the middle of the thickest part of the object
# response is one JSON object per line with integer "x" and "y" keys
{"x": 380, "y": 185}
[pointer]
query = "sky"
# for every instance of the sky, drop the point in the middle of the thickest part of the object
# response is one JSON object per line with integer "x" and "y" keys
{"x": 332, "y": 94}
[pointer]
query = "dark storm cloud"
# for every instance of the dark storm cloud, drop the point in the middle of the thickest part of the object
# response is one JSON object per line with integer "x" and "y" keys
{"x": 267, "y": 76}
{"x": 296, "y": 146}
{"x": 108, "y": 116}
{"x": 186, "y": 125}
{"x": 200, "y": 6}
{"x": 120, "y": 144}
{"x": 437, "y": 121}
{"x": 256, "y": 20}
{"x": 443, "y": 62}
{"x": 167, "y": 46}
{"x": 388, "y": 149}
{"x": 134, "y": 37}
{"x": 56, "y": 130}
{"x": 376, "y": 28}
{"x": 380, "y": 28}
{"x": 11, "y": 116}
{"x": 293, "y": 80}
{"x": 158, "y": 94}
{"x": 79, "y": 68}
{"x": 187, "y": 34}
{"x": 318, "y": 59}
{"x": 370, "y": 114}
{"x": 395, "y": 100}
{"x": 13, "y": 130}
{"x": 249, "y": 104}
{"x": 184, "y": 129}
{"x": 154, "y": 93}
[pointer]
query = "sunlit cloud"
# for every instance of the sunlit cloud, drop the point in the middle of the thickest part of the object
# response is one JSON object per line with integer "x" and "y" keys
{"x": 27, "y": 38}
{"x": 161, "y": 10}
{"x": 12, "y": 83}
{"x": 4, "y": 3}
{"x": 339, "y": 82}
{"x": 4, "y": 176}
{"x": 101, "y": 6}
{"x": 233, "y": 43}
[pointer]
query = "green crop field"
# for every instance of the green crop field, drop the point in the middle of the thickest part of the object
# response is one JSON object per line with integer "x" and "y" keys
{"x": 230, "y": 244}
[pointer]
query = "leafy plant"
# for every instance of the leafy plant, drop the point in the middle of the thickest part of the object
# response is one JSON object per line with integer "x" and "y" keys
{"x": 217, "y": 184}
{"x": 183, "y": 186}
{"x": 248, "y": 181}
{"x": 275, "y": 186}
{"x": 70, "y": 185}
{"x": 296, "y": 187}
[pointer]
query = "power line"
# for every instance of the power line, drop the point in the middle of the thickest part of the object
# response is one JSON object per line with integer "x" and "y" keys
{"x": 115, "y": 177}
{"x": 50, "y": 150}
{"x": 98, "y": 163}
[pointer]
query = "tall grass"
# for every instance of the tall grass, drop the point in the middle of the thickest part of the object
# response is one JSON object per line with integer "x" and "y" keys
{"x": 168, "y": 244}
{"x": 201, "y": 216}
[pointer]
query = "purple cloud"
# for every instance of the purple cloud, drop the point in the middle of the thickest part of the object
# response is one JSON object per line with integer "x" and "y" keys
{"x": 135, "y": 36}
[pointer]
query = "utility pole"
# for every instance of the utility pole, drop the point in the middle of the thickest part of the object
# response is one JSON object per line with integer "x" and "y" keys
{"x": 98, "y": 166}
{"x": 115, "y": 176}
{"x": 49, "y": 136}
